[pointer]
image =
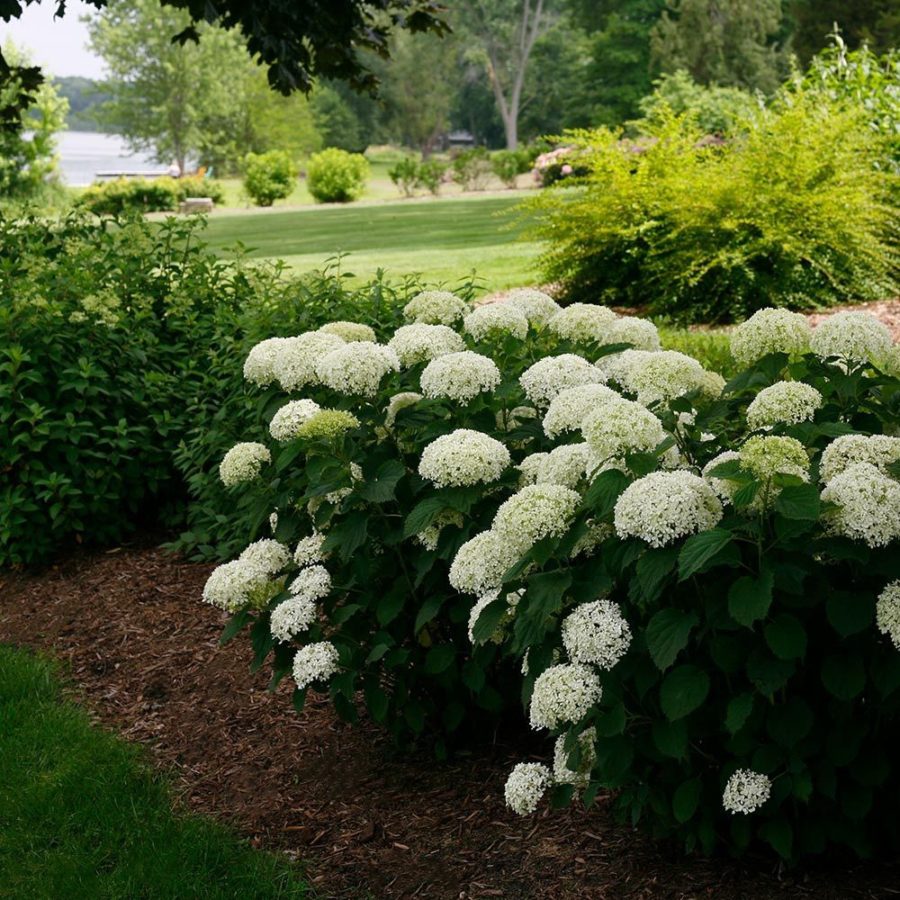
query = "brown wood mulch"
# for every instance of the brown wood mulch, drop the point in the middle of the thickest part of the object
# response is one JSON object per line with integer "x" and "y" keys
{"x": 364, "y": 821}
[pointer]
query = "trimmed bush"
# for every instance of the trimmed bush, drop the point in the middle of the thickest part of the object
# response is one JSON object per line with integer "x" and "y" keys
{"x": 507, "y": 165}
{"x": 269, "y": 176}
{"x": 471, "y": 168}
{"x": 130, "y": 195}
{"x": 336, "y": 176}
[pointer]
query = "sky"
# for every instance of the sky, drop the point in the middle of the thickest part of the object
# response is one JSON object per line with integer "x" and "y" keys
{"x": 59, "y": 46}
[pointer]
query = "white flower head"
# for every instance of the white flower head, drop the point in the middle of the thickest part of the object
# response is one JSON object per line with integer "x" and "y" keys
{"x": 767, "y": 456}
{"x": 562, "y": 774}
{"x": 287, "y": 421}
{"x": 535, "y": 512}
{"x": 463, "y": 457}
{"x": 267, "y": 555}
{"x": 853, "y": 336}
{"x": 662, "y": 507}
{"x": 770, "y": 331}
{"x": 496, "y": 319}
{"x": 296, "y": 359}
{"x": 315, "y": 662}
{"x": 640, "y": 333}
{"x": 435, "y": 308}
{"x": 564, "y": 694}
{"x": 291, "y": 617}
{"x": 237, "y": 584}
{"x": 526, "y": 786}
{"x": 596, "y": 633}
{"x": 530, "y": 467}
{"x": 548, "y": 377}
{"x": 259, "y": 367}
{"x": 418, "y": 343}
{"x": 512, "y": 600}
{"x": 312, "y": 583}
{"x": 878, "y": 449}
{"x": 583, "y": 323}
{"x": 537, "y": 306}
{"x": 243, "y": 462}
{"x": 620, "y": 426}
{"x": 785, "y": 402}
{"x": 403, "y": 400}
{"x": 746, "y": 791}
{"x": 349, "y": 331}
{"x": 566, "y": 465}
{"x": 724, "y": 488}
{"x": 887, "y": 612}
{"x": 868, "y": 505}
{"x": 480, "y": 564}
{"x": 460, "y": 376}
{"x": 569, "y": 408}
{"x": 357, "y": 369}
{"x": 309, "y": 550}
{"x": 656, "y": 376}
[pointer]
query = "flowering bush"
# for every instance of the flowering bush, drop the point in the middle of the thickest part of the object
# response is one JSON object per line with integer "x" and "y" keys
{"x": 698, "y": 582}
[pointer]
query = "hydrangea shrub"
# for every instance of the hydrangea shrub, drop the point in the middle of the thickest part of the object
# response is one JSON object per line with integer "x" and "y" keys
{"x": 693, "y": 586}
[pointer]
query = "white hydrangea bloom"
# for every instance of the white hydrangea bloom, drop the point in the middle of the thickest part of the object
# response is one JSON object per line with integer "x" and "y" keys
{"x": 403, "y": 400}
{"x": 349, "y": 331}
{"x": 596, "y": 633}
{"x": 564, "y": 694}
{"x": 566, "y": 465}
{"x": 315, "y": 662}
{"x": 656, "y": 376}
{"x": 548, "y": 377}
{"x": 887, "y": 612}
{"x": 766, "y": 456}
{"x": 512, "y": 601}
{"x": 662, "y": 507}
{"x": 430, "y": 536}
{"x": 291, "y": 617}
{"x": 295, "y": 362}
{"x": 493, "y": 319}
{"x": 535, "y": 512}
{"x": 568, "y": 409}
{"x": 770, "y": 331}
{"x": 267, "y": 555}
{"x": 724, "y": 488}
{"x": 746, "y": 791}
{"x": 642, "y": 334}
{"x": 243, "y": 462}
{"x": 287, "y": 421}
{"x": 562, "y": 774}
{"x": 583, "y": 323}
{"x": 309, "y": 550}
{"x": 877, "y": 449}
{"x": 435, "y": 308}
{"x": 480, "y": 564}
{"x": 357, "y": 368}
{"x": 853, "y": 336}
{"x": 530, "y": 467}
{"x": 621, "y": 426}
{"x": 868, "y": 505}
{"x": 537, "y": 306}
{"x": 313, "y": 583}
{"x": 236, "y": 584}
{"x": 259, "y": 367}
{"x": 273, "y": 521}
{"x": 526, "y": 786}
{"x": 460, "y": 376}
{"x": 785, "y": 402}
{"x": 463, "y": 457}
{"x": 418, "y": 343}
{"x": 712, "y": 384}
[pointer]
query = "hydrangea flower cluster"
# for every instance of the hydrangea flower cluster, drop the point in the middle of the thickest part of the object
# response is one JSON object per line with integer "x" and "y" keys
{"x": 887, "y": 612}
{"x": 569, "y": 408}
{"x": 583, "y": 323}
{"x": 294, "y": 364}
{"x": 512, "y": 600}
{"x": 619, "y": 426}
{"x": 292, "y": 617}
{"x": 480, "y": 564}
{"x": 496, "y": 319}
{"x": 313, "y": 583}
{"x": 403, "y": 400}
{"x": 563, "y": 694}
{"x": 535, "y": 512}
{"x": 746, "y": 791}
{"x": 315, "y": 662}
{"x": 566, "y": 465}
{"x": 655, "y": 377}
{"x": 852, "y": 336}
{"x": 289, "y": 419}
{"x": 783, "y": 403}
{"x": 357, "y": 369}
{"x": 249, "y": 580}
{"x": 587, "y": 745}
{"x": 259, "y": 367}
{"x": 309, "y": 550}
{"x": 418, "y": 343}
{"x": 770, "y": 331}
{"x": 596, "y": 633}
{"x": 349, "y": 331}
{"x": 878, "y": 450}
{"x": 764, "y": 457}
{"x": 243, "y": 462}
{"x": 548, "y": 377}
{"x": 539, "y": 308}
{"x": 463, "y": 457}
{"x": 868, "y": 505}
{"x": 526, "y": 786}
{"x": 327, "y": 425}
{"x": 460, "y": 376}
{"x": 435, "y": 308}
{"x": 642, "y": 334}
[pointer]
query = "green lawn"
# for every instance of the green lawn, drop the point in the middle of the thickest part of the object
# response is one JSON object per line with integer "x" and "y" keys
{"x": 83, "y": 816}
{"x": 443, "y": 240}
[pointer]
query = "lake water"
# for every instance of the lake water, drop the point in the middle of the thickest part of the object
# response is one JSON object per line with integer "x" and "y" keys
{"x": 82, "y": 154}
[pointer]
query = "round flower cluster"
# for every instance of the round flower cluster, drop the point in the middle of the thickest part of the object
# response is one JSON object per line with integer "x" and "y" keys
{"x": 243, "y": 462}
{"x": 565, "y": 465}
{"x": 620, "y": 426}
{"x": 286, "y": 423}
{"x": 526, "y": 786}
{"x": 236, "y": 584}
{"x": 419, "y": 343}
{"x": 785, "y": 402}
{"x": 724, "y": 488}
{"x": 480, "y": 564}
{"x": 357, "y": 368}
{"x": 868, "y": 505}
{"x": 583, "y": 323}
{"x": 596, "y": 633}
{"x": 435, "y": 308}
{"x": 537, "y": 511}
{"x": 309, "y": 550}
{"x": 569, "y": 408}
{"x": 878, "y": 450}
{"x": 531, "y": 468}
{"x": 292, "y": 617}
{"x": 538, "y": 307}
{"x": 349, "y": 331}
{"x": 563, "y": 694}
{"x": 512, "y": 600}
{"x": 267, "y": 555}
{"x": 746, "y": 791}
{"x": 463, "y": 457}
{"x": 259, "y": 367}
{"x": 562, "y": 774}
{"x": 770, "y": 331}
{"x": 295, "y": 362}
{"x": 315, "y": 662}
{"x": 764, "y": 457}
{"x": 460, "y": 376}
{"x": 327, "y": 425}
{"x": 853, "y": 336}
{"x": 887, "y": 612}
{"x": 655, "y": 377}
{"x": 493, "y": 319}
{"x": 403, "y": 400}
{"x": 662, "y": 507}
{"x": 640, "y": 333}
{"x": 313, "y": 583}
{"x": 548, "y": 377}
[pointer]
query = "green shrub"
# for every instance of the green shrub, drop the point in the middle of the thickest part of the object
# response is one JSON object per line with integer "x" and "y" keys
{"x": 471, "y": 168}
{"x": 269, "y": 176}
{"x": 336, "y": 176}
{"x": 795, "y": 213}
{"x": 405, "y": 175}
{"x": 196, "y": 186}
{"x": 507, "y": 165}
{"x": 431, "y": 175}
{"x": 122, "y": 196}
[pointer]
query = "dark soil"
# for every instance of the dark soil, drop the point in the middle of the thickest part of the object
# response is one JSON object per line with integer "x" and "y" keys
{"x": 364, "y": 821}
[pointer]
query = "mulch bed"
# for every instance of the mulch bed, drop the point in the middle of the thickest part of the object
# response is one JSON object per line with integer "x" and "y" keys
{"x": 365, "y": 821}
